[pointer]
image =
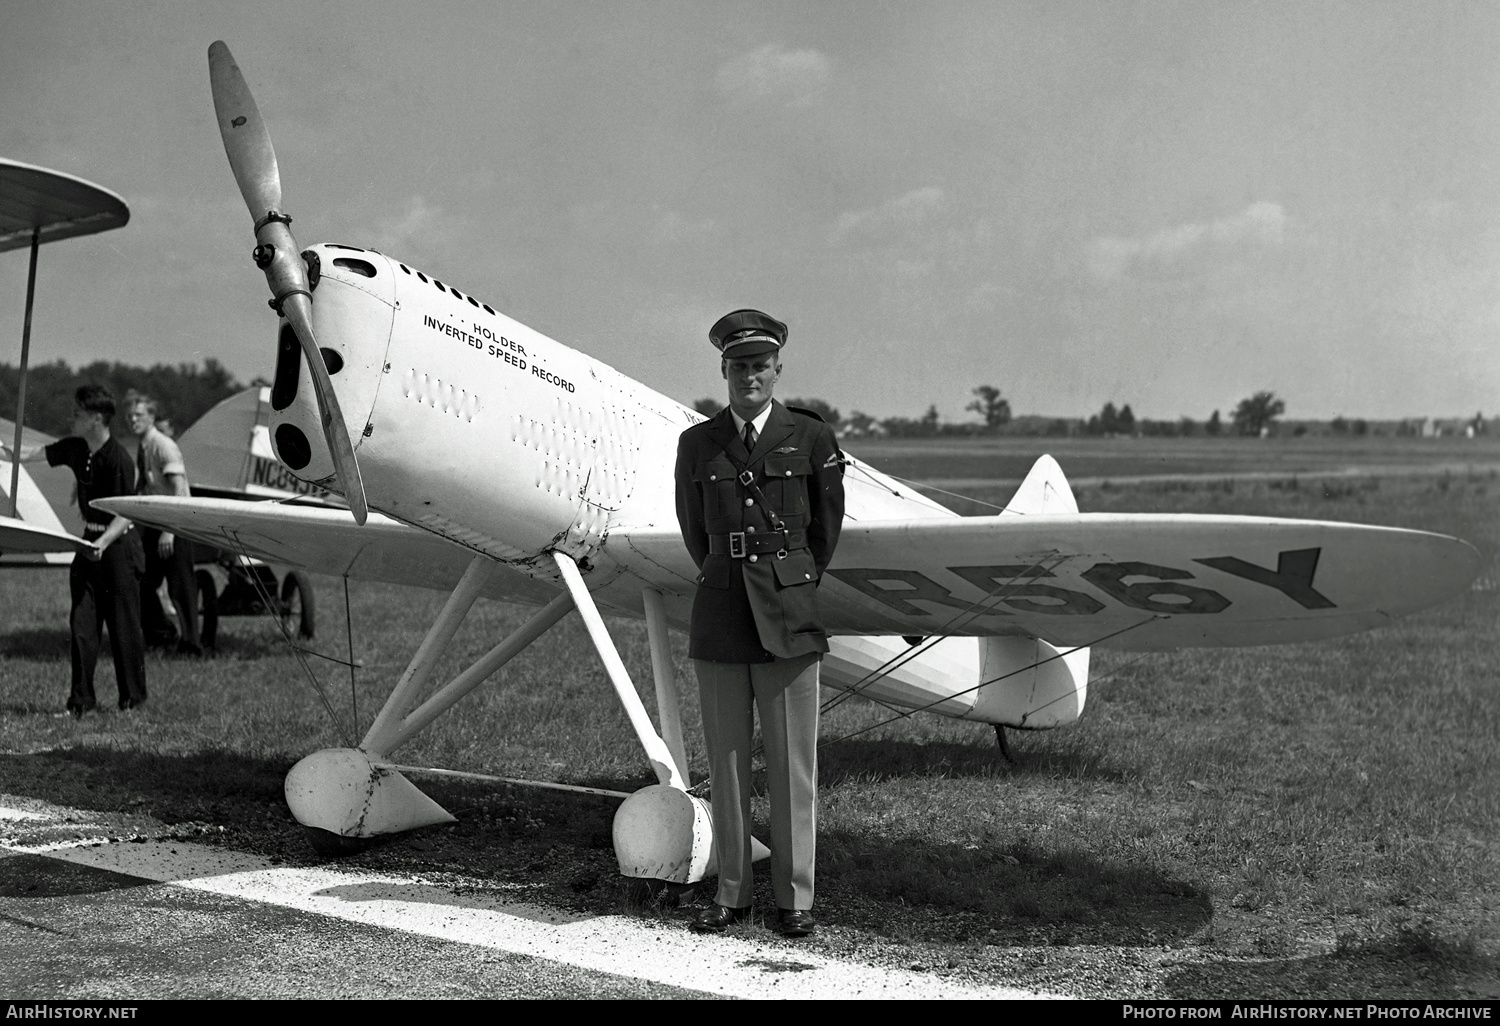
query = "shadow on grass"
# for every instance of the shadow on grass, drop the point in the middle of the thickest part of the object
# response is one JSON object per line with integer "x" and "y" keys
{"x": 906, "y": 888}
{"x": 1410, "y": 961}
{"x": 1009, "y": 895}
{"x": 52, "y": 644}
{"x": 43, "y": 643}
{"x": 174, "y": 788}
{"x": 887, "y": 759}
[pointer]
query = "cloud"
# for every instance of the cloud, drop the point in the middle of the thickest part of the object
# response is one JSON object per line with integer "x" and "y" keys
{"x": 895, "y": 216}
{"x": 773, "y": 73}
{"x": 417, "y": 232}
{"x": 1261, "y": 225}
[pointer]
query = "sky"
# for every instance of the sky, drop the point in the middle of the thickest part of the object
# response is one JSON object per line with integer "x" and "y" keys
{"x": 1170, "y": 205}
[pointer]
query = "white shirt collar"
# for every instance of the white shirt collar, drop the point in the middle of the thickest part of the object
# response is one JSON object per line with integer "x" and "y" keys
{"x": 759, "y": 422}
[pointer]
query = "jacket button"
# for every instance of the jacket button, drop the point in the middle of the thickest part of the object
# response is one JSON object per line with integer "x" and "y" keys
{"x": 750, "y": 530}
{"x": 807, "y": 577}
{"x": 749, "y": 502}
{"x": 754, "y": 558}
{"x": 713, "y": 477}
{"x": 788, "y": 473}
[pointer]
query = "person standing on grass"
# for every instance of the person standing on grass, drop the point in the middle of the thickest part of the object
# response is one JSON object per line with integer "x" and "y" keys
{"x": 760, "y": 502}
{"x": 105, "y": 580}
{"x": 159, "y": 470}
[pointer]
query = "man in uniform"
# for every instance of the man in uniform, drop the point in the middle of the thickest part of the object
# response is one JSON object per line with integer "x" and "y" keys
{"x": 159, "y": 470}
{"x": 760, "y": 501}
{"x": 105, "y": 580}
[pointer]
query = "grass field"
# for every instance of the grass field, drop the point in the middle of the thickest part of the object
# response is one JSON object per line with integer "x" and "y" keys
{"x": 1092, "y": 460}
{"x": 1288, "y": 821}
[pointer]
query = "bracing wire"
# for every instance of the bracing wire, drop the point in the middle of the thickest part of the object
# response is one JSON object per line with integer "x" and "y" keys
{"x": 349, "y": 634}
{"x": 974, "y": 609}
{"x": 946, "y": 698}
{"x": 921, "y": 486}
{"x": 297, "y": 650}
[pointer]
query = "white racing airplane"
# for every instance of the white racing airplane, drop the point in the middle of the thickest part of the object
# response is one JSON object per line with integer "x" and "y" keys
{"x": 481, "y": 457}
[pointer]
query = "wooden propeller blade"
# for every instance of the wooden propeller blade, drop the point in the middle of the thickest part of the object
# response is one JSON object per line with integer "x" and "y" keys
{"x": 298, "y": 310}
{"x": 246, "y": 140}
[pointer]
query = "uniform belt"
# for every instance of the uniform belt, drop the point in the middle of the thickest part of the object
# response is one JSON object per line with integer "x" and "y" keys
{"x": 739, "y": 544}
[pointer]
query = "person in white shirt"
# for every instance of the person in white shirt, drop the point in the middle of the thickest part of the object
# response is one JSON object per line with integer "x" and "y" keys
{"x": 161, "y": 471}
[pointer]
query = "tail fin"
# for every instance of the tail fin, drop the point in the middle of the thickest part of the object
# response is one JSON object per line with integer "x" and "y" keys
{"x": 1045, "y": 490}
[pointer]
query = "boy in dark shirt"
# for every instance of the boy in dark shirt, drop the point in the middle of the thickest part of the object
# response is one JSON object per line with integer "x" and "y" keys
{"x": 105, "y": 580}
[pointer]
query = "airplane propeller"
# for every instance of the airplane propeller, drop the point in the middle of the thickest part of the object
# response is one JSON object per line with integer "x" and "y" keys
{"x": 253, "y": 160}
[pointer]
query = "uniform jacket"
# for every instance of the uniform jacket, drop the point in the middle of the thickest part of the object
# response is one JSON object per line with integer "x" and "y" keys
{"x": 753, "y": 610}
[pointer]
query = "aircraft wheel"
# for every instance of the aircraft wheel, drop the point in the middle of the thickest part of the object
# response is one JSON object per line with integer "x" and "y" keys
{"x": 680, "y": 895}
{"x": 297, "y": 603}
{"x": 639, "y": 891}
{"x": 332, "y": 846}
{"x": 208, "y": 608}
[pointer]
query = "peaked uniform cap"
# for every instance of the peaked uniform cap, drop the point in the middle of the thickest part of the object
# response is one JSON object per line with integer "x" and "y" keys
{"x": 747, "y": 333}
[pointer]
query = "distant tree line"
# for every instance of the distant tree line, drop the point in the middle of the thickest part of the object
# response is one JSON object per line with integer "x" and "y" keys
{"x": 1257, "y": 415}
{"x": 183, "y": 392}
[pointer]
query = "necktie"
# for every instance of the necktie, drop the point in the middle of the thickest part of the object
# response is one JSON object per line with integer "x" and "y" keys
{"x": 140, "y": 469}
{"x": 749, "y": 436}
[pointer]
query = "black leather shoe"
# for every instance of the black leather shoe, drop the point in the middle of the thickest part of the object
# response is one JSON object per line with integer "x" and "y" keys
{"x": 796, "y": 922}
{"x": 717, "y": 918}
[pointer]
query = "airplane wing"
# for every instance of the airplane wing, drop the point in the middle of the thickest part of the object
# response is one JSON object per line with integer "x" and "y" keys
{"x": 17, "y": 536}
{"x": 1131, "y": 581}
{"x": 1134, "y": 581}
{"x": 325, "y": 541}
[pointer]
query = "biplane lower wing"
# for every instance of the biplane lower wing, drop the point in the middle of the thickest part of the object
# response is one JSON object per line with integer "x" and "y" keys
{"x": 19, "y": 537}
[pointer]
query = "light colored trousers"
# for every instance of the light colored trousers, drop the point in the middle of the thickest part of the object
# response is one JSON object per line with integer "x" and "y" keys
{"x": 786, "y": 692}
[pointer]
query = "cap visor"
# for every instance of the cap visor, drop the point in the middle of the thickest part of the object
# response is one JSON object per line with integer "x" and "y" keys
{"x": 752, "y": 346}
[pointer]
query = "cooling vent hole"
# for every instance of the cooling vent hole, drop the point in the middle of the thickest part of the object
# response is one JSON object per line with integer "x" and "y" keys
{"x": 292, "y": 446}
{"x": 363, "y": 267}
{"x": 288, "y": 365}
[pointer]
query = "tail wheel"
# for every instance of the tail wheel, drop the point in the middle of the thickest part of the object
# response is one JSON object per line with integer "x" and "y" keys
{"x": 297, "y": 603}
{"x": 208, "y": 608}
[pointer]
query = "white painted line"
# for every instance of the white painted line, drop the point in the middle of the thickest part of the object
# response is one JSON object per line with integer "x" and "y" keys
{"x": 618, "y": 945}
{"x": 20, "y": 814}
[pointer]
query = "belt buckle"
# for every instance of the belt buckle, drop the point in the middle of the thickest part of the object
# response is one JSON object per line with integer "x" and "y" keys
{"x": 747, "y": 478}
{"x": 736, "y": 544}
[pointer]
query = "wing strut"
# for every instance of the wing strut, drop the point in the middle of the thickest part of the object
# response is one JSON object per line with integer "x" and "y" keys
{"x": 393, "y": 729}
{"x": 401, "y": 699}
{"x": 662, "y": 760}
{"x": 667, "y": 710}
